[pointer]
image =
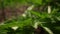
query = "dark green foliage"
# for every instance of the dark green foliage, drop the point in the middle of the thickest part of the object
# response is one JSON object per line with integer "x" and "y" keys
{"x": 26, "y": 23}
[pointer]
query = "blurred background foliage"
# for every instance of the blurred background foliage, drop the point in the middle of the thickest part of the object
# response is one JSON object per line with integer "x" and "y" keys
{"x": 35, "y": 19}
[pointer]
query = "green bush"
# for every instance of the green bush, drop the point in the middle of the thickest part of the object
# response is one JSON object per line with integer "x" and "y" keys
{"x": 30, "y": 19}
